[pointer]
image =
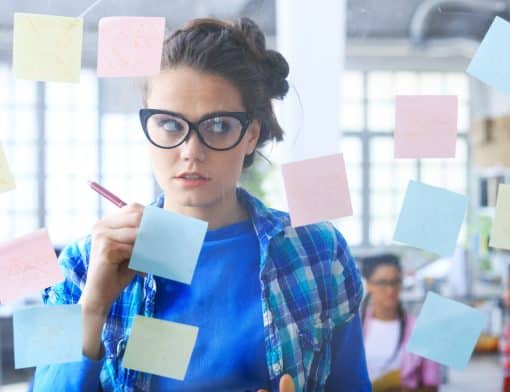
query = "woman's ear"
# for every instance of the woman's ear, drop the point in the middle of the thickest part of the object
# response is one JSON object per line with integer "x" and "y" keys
{"x": 252, "y": 135}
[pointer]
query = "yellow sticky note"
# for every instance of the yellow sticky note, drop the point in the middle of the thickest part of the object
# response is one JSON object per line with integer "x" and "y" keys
{"x": 6, "y": 178}
{"x": 500, "y": 235}
{"x": 160, "y": 347}
{"x": 47, "y": 47}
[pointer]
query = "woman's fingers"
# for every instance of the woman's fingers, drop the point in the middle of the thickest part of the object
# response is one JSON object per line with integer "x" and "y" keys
{"x": 286, "y": 384}
{"x": 124, "y": 218}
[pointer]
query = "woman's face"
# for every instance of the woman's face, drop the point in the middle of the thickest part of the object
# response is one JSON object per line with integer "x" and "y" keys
{"x": 384, "y": 286}
{"x": 194, "y": 94}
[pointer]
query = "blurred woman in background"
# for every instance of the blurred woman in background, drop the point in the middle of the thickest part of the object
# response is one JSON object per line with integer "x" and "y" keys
{"x": 387, "y": 328}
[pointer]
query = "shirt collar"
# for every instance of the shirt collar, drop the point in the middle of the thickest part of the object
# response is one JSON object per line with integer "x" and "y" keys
{"x": 267, "y": 221}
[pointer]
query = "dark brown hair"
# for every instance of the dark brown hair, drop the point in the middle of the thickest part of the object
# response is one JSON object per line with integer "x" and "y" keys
{"x": 237, "y": 52}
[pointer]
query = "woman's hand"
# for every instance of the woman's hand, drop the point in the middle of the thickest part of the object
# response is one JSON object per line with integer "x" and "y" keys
{"x": 108, "y": 274}
{"x": 286, "y": 384}
{"x": 113, "y": 238}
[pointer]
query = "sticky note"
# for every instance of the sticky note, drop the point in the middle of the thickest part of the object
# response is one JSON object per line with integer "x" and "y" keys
{"x": 446, "y": 331}
{"x": 47, "y": 47}
{"x": 160, "y": 347}
{"x": 500, "y": 235}
{"x": 317, "y": 189}
{"x": 168, "y": 244}
{"x": 425, "y": 126}
{"x": 491, "y": 62}
{"x": 430, "y": 218}
{"x": 130, "y": 46}
{"x": 6, "y": 177}
{"x": 27, "y": 264}
{"x": 45, "y": 335}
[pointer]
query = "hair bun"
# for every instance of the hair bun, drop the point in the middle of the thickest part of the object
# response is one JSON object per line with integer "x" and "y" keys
{"x": 277, "y": 70}
{"x": 275, "y": 67}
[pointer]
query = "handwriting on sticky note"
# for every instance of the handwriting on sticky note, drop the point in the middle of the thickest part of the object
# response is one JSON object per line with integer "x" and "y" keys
{"x": 6, "y": 178}
{"x": 47, "y": 47}
{"x": 130, "y": 46}
{"x": 46, "y": 335}
{"x": 430, "y": 218}
{"x": 27, "y": 264}
{"x": 491, "y": 62}
{"x": 425, "y": 126}
{"x": 317, "y": 189}
{"x": 446, "y": 331}
{"x": 160, "y": 347}
{"x": 500, "y": 234}
{"x": 168, "y": 244}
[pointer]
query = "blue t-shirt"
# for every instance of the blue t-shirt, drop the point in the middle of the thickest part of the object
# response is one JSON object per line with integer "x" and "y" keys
{"x": 223, "y": 301}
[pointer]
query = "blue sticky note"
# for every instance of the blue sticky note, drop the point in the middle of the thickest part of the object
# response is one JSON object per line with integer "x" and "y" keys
{"x": 168, "y": 244}
{"x": 431, "y": 218}
{"x": 446, "y": 331}
{"x": 491, "y": 63}
{"x": 45, "y": 335}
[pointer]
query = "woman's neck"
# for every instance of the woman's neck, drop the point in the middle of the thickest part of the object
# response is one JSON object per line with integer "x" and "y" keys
{"x": 226, "y": 211}
{"x": 385, "y": 314}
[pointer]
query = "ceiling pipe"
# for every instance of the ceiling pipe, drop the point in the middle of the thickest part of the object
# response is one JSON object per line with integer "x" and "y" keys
{"x": 425, "y": 10}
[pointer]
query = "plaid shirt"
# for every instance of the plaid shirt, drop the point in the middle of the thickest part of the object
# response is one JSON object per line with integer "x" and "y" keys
{"x": 309, "y": 284}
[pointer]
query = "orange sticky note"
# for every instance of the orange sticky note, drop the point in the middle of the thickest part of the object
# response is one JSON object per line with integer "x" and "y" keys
{"x": 425, "y": 126}
{"x": 130, "y": 46}
{"x": 317, "y": 189}
{"x": 27, "y": 264}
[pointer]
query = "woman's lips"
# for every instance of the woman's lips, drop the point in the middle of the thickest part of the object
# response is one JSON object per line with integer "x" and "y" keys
{"x": 191, "y": 182}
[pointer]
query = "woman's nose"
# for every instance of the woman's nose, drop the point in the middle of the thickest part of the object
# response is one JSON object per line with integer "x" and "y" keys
{"x": 192, "y": 148}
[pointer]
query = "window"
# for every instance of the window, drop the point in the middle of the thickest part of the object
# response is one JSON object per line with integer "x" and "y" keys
{"x": 378, "y": 181}
{"x": 56, "y": 138}
{"x": 19, "y": 209}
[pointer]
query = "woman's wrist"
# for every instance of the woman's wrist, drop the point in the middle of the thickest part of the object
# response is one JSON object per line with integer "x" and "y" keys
{"x": 93, "y": 324}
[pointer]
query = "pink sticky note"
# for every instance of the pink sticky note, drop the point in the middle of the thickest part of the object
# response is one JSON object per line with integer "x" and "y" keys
{"x": 27, "y": 264}
{"x": 130, "y": 46}
{"x": 425, "y": 126}
{"x": 317, "y": 189}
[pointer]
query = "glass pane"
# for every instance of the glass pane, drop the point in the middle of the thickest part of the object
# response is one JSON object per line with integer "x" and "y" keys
{"x": 351, "y": 148}
{"x": 457, "y": 84}
{"x": 351, "y": 117}
{"x": 381, "y": 231}
{"x": 350, "y": 228}
{"x": 431, "y": 83}
{"x": 352, "y": 86}
{"x": 447, "y": 173}
{"x": 463, "y": 121}
{"x": 380, "y": 86}
{"x": 406, "y": 83}
{"x": 25, "y": 127}
{"x": 381, "y": 116}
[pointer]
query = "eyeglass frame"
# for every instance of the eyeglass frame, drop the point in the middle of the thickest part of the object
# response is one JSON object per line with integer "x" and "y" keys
{"x": 243, "y": 117}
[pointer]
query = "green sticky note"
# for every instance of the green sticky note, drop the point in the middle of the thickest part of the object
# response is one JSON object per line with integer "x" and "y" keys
{"x": 6, "y": 178}
{"x": 500, "y": 235}
{"x": 47, "y": 47}
{"x": 160, "y": 347}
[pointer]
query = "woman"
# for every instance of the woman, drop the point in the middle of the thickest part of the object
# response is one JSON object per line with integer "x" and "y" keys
{"x": 268, "y": 299}
{"x": 387, "y": 328}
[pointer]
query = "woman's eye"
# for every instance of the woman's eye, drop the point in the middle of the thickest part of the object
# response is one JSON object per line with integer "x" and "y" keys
{"x": 219, "y": 126}
{"x": 170, "y": 125}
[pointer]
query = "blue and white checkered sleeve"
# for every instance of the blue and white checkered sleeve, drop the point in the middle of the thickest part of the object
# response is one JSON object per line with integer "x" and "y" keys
{"x": 347, "y": 288}
{"x": 72, "y": 261}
